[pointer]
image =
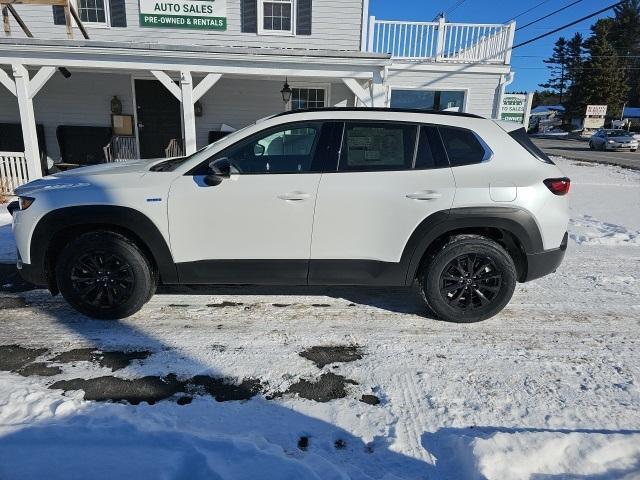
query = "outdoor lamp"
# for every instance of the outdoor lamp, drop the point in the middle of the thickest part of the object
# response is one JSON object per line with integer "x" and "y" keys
{"x": 286, "y": 91}
{"x": 116, "y": 106}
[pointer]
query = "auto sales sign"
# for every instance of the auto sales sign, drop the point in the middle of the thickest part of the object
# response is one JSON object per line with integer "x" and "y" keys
{"x": 191, "y": 14}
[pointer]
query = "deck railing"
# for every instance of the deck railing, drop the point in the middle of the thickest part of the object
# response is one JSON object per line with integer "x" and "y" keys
{"x": 442, "y": 42}
{"x": 13, "y": 171}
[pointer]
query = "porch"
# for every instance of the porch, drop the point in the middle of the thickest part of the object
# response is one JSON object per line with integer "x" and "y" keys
{"x": 192, "y": 98}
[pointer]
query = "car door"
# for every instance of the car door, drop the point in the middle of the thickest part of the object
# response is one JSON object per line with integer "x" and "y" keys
{"x": 390, "y": 177}
{"x": 254, "y": 226}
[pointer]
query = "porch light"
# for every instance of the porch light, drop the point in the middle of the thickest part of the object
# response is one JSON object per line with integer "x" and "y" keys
{"x": 116, "y": 105}
{"x": 286, "y": 91}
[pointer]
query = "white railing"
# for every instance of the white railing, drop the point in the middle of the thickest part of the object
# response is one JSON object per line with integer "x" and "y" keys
{"x": 13, "y": 171}
{"x": 442, "y": 42}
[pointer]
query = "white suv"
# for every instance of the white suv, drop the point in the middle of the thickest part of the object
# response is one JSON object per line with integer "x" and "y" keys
{"x": 463, "y": 206}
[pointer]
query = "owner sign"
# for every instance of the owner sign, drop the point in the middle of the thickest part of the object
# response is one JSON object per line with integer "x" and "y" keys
{"x": 193, "y": 14}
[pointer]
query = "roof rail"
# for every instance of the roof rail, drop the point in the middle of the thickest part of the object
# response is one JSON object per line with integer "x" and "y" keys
{"x": 377, "y": 109}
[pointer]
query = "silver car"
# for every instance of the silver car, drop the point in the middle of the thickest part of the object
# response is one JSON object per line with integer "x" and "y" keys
{"x": 613, "y": 140}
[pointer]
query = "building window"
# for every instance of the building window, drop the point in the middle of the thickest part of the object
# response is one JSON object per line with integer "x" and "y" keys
{"x": 276, "y": 17}
{"x": 302, "y": 98}
{"x": 93, "y": 11}
{"x": 438, "y": 100}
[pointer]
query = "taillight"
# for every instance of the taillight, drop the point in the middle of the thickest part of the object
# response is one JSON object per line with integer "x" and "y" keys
{"x": 558, "y": 186}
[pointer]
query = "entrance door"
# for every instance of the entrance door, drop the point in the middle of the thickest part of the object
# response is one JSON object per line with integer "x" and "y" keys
{"x": 158, "y": 118}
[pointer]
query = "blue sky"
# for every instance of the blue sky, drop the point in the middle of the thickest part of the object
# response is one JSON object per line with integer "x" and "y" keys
{"x": 527, "y": 60}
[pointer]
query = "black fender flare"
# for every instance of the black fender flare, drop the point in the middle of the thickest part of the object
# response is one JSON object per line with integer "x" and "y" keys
{"x": 516, "y": 221}
{"x": 102, "y": 216}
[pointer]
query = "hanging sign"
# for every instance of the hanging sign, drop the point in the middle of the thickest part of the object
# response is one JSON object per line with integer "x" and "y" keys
{"x": 191, "y": 14}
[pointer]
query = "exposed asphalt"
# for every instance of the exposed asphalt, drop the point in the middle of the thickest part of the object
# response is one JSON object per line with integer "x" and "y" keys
{"x": 579, "y": 150}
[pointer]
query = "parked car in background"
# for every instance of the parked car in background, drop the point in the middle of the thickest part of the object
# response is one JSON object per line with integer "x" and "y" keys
{"x": 613, "y": 140}
{"x": 462, "y": 206}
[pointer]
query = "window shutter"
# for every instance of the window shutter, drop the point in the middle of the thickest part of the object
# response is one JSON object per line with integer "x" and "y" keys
{"x": 58, "y": 15}
{"x": 303, "y": 20}
{"x": 118, "y": 13}
{"x": 249, "y": 16}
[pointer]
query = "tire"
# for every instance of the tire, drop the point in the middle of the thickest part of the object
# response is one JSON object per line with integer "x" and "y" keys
{"x": 591, "y": 146}
{"x": 634, "y": 151}
{"x": 454, "y": 297}
{"x": 102, "y": 256}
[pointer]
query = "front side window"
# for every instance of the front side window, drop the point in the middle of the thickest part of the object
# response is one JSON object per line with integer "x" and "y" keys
{"x": 436, "y": 100}
{"x": 284, "y": 150}
{"x": 463, "y": 147}
{"x": 302, "y": 98}
{"x": 93, "y": 11}
{"x": 377, "y": 146}
{"x": 276, "y": 16}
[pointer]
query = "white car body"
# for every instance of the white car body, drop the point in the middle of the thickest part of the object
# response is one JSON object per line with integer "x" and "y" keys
{"x": 322, "y": 227}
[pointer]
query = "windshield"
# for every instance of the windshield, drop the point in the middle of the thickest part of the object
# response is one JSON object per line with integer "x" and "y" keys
{"x": 172, "y": 163}
{"x": 617, "y": 133}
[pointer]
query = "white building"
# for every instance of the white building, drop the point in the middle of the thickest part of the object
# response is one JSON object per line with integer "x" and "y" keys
{"x": 183, "y": 69}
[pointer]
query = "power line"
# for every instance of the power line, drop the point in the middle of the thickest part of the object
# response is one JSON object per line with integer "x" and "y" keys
{"x": 460, "y": 2}
{"x": 548, "y": 15}
{"x": 527, "y": 11}
{"x": 567, "y": 25}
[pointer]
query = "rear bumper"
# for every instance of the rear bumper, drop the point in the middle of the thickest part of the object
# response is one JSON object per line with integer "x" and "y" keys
{"x": 546, "y": 262}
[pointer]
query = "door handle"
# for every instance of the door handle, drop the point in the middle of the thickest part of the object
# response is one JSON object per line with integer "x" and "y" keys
{"x": 424, "y": 195}
{"x": 294, "y": 196}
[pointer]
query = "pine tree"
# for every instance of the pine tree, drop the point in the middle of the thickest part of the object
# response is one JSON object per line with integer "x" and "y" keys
{"x": 575, "y": 63}
{"x": 603, "y": 80}
{"x": 557, "y": 65}
{"x": 625, "y": 37}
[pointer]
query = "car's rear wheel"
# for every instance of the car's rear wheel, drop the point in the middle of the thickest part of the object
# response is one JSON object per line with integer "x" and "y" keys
{"x": 471, "y": 278}
{"x": 104, "y": 275}
{"x": 591, "y": 146}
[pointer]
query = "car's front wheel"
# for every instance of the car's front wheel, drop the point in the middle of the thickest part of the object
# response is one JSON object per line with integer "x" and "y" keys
{"x": 104, "y": 275}
{"x": 471, "y": 278}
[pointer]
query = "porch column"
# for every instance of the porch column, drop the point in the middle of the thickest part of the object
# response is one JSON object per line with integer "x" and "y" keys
{"x": 188, "y": 114}
{"x": 25, "y": 90}
{"x": 188, "y": 95}
{"x": 378, "y": 89}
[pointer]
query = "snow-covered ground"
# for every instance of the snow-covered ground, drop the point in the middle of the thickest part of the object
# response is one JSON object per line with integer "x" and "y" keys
{"x": 547, "y": 389}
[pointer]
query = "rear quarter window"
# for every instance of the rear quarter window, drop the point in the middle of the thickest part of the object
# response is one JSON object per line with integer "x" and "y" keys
{"x": 463, "y": 147}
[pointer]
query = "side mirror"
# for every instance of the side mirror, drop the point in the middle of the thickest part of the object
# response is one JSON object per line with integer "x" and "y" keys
{"x": 258, "y": 150}
{"x": 218, "y": 170}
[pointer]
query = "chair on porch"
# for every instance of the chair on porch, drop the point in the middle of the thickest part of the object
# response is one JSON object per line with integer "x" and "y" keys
{"x": 174, "y": 149}
{"x": 120, "y": 149}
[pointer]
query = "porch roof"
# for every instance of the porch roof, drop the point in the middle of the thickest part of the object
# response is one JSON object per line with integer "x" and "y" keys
{"x": 226, "y": 60}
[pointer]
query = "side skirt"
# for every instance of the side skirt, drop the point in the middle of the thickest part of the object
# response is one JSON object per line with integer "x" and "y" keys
{"x": 291, "y": 272}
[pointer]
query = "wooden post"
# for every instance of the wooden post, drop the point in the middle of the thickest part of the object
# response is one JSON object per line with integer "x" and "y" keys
{"x": 67, "y": 20}
{"x": 17, "y": 18}
{"x": 27, "y": 121}
{"x": 188, "y": 114}
{"x": 76, "y": 17}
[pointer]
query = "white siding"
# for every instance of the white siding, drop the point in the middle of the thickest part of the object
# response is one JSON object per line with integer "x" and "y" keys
{"x": 481, "y": 88}
{"x": 84, "y": 99}
{"x": 336, "y": 26}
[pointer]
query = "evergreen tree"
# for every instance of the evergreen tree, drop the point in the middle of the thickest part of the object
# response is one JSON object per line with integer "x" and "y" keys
{"x": 557, "y": 65}
{"x": 625, "y": 37}
{"x": 575, "y": 63}
{"x": 603, "y": 81}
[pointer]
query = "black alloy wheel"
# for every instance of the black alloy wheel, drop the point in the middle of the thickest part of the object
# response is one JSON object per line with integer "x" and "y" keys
{"x": 102, "y": 279}
{"x": 470, "y": 281}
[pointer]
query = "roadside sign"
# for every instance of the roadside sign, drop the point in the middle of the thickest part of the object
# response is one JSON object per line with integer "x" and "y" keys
{"x": 516, "y": 107}
{"x": 189, "y": 14}
{"x": 596, "y": 110}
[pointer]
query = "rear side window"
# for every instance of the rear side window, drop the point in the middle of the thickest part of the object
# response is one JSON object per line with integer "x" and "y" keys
{"x": 463, "y": 146}
{"x": 430, "y": 152}
{"x": 377, "y": 146}
{"x": 520, "y": 136}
